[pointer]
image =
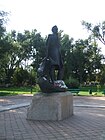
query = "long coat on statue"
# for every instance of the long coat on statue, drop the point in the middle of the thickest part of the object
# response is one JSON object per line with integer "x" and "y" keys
{"x": 48, "y": 80}
{"x": 53, "y": 50}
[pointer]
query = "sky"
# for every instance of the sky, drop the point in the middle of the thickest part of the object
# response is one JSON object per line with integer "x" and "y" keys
{"x": 43, "y": 14}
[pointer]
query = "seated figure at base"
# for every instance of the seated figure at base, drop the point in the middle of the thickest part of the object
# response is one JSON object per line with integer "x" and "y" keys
{"x": 51, "y": 69}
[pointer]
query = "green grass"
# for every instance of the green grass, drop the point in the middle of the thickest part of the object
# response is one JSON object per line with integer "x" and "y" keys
{"x": 18, "y": 90}
{"x": 84, "y": 91}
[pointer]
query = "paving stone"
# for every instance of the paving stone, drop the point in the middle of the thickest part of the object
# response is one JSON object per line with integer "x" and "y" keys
{"x": 85, "y": 124}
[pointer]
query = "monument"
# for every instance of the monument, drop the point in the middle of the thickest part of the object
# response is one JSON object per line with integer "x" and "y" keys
{"x": 54, "y": 102}
{"x": 51, "y": 69}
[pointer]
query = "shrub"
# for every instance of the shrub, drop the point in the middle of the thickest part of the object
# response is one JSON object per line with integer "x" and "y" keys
{"x": 20, "y": 76}
{"x": 72, "y": 83}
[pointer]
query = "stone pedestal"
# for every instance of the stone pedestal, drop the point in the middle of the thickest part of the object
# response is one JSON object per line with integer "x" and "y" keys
{"x": 55, "y": 106}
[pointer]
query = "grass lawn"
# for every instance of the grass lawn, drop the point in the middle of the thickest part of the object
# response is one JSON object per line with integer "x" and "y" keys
{"x": 84, "y": 91}
{"x": 18, "y": 90}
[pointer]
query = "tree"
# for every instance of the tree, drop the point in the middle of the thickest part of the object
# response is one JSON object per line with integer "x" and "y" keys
{"x": 82, "y": 59}
{"x": 21, "y": 51}
{"x": 97, "y": 31}
{"x": 4, "y": 46}
{"x": 66, "y": 51}
{"x": 38, "y": 48}
{"x": 3, "y": 20}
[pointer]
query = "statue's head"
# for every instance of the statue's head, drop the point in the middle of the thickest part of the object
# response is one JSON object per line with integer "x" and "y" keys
{"x": 55, "y": 29}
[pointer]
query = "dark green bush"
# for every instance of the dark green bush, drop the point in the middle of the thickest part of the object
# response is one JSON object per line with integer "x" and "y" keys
{"x": 20, "y": 76}
{"x": 72, "y": 83}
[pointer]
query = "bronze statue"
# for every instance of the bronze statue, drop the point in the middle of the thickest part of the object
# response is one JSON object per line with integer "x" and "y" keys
{"x": 51, "y": 69}
{"x": 54, "y": 54}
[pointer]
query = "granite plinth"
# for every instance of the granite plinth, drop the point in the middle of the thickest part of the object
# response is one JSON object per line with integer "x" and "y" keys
{"x": 55, "y": 106}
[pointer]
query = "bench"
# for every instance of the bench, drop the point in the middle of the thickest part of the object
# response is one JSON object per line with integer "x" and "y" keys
{"x": 103, "y": 92}
{"x": 74, "y": 90}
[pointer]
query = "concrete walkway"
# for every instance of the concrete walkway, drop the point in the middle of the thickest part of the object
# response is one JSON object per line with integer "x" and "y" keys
{"x": 87, "y": 123}
{"x": 14, "y": 102}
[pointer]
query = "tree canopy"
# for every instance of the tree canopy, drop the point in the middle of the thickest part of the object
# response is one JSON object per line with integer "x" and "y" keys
{"x": 97, "y": 31}
{"x": 21, "y": 54}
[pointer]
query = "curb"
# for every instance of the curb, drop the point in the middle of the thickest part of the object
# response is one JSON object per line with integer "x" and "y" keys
{"x": 11, "y": 107}
{"x": 89, "y": 106}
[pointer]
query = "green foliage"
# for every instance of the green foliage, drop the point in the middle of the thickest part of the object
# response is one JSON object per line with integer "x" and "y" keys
{"x": 3, "y": 19}
{"x": 20, "y": 77}
{"x": 82, "y": 58}
{"x": 37, "y": 88}
{"x": 97, "y": 31}
{"x": 32, "y": 77}
{"x": 72, "y": 83}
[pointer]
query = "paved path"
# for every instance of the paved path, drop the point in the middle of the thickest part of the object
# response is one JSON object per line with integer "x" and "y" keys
{"x": 89, "y": 101}
{"x": 13, "y": 102}
{"x": 87, "y": 123}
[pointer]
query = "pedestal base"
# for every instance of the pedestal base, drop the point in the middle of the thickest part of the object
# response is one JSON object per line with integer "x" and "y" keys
{"x": 55, "y": 106}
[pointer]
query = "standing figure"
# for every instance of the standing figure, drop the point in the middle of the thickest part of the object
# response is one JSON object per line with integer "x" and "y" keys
{"x": 54, "y": 55}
